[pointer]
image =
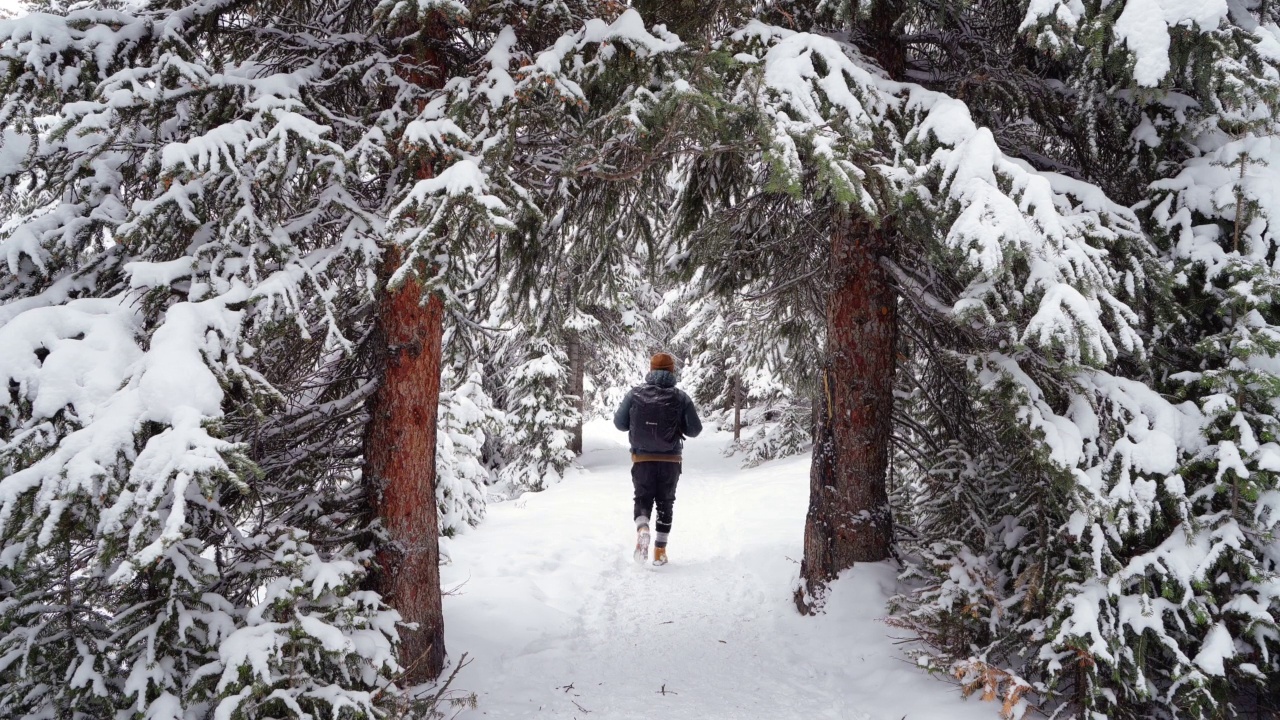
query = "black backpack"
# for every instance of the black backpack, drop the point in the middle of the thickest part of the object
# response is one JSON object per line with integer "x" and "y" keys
{"x": 656, "y": 414}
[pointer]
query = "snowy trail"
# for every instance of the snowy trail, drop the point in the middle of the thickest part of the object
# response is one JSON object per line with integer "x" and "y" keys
{"x": 559, "y": 622}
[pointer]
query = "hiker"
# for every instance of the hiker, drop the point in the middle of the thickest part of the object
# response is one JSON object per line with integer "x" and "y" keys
{"x": 658, "y": 416}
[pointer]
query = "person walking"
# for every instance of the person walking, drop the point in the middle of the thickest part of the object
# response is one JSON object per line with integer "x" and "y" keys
{"x": 657, "y": 417}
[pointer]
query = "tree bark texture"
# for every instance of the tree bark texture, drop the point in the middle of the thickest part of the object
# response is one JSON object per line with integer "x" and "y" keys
{"x": 400, "y": 439}
{"x": 400, "y": 467}
{"x": 577, "y": 386}
{"x": 882, "y": 40}
{"x": 849, "y": 519}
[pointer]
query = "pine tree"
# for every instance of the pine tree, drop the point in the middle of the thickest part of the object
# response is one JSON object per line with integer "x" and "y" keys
{"x": 540, "y": 416}
{"x": 205, "y": 206}
{"x": 1100, "y": 577}
{"x": 851, "y": 135}
{"x": 163, "y": 242}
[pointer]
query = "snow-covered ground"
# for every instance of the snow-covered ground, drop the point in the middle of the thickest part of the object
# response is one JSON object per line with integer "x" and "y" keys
{"x": 559, "y": 622}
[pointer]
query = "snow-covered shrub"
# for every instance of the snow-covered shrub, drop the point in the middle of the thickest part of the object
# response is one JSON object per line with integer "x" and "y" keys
{"x": 777, "y": 431}
{"x": 539, "y": 417}
{"x": 467, "y": 419}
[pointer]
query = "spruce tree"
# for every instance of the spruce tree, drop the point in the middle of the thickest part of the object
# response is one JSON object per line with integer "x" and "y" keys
{"x": 1129, "y": 624}
{"x": 224, "y": 223}
{"x": 164, "y": 241}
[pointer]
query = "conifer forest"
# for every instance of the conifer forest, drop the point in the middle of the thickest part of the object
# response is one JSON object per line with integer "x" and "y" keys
{"x": 314, "y": 315}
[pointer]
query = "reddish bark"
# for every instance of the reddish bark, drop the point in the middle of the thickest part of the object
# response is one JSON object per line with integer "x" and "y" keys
{"x": 400, "y": 468}
{"x": 849, "y": 519}
{"x": 400, "y": 440}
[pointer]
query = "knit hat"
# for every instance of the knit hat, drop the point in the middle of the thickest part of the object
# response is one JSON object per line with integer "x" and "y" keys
{"x": 663, "y": 361}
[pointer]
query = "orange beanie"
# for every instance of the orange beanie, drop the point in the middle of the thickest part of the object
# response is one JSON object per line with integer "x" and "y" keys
{"x": 663, "y": 361}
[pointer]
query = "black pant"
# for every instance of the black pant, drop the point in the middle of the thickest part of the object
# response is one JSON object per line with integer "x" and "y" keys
{"x": 655, "y": 482}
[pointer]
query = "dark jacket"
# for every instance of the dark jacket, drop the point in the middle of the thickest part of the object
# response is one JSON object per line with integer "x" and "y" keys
{"x": 690, "y": 425}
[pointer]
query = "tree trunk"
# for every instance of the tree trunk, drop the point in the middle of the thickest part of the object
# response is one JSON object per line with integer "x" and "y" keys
{"x": 849, "y": 519}
{"x": 687, "y": 18}
{"x": 400, "y": 439}
{"x": 881, "y": 38}
{"x": 577, "y": 383}
{"x": 400, "y": 468}
{"x": 737, "y": 408}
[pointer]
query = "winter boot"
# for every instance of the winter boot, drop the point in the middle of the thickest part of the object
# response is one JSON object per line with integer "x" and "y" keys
{"x": 660, "y": 556}
{"x": 642, "y": 544}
